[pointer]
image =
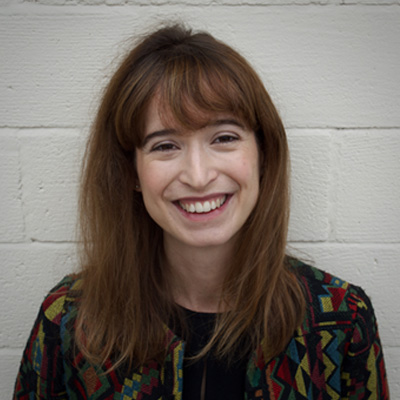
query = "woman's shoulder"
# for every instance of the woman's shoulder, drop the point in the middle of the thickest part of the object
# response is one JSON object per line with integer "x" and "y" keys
{"x": 65, "y": 292}
{"x": 331, "y": 301}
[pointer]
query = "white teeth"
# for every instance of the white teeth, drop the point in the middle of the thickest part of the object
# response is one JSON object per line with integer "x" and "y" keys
{"x": 205, "y": 207}
{"x": 199, "y": 207}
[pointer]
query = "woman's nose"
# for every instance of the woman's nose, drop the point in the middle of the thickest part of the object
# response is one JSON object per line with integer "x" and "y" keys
{"x": 198, "y": 169}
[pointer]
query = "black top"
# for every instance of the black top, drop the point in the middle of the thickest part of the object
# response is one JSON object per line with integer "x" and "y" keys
{"x": 209, "y": 378}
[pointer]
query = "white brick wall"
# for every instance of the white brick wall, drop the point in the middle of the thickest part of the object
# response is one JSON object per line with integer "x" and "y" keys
{"x": 332, "y": 67}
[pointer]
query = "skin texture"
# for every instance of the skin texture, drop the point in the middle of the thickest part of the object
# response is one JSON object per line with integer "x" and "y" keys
{"x": 214, "y": 165}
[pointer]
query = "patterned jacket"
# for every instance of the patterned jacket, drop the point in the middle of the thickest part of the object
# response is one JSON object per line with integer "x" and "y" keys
{"x": 335, "y": 354}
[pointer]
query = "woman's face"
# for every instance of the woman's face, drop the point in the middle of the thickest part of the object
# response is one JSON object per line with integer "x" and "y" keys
{"x": 199, "y": 186}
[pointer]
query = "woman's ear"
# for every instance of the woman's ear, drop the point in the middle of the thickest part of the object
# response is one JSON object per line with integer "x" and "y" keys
{"x": 137, "y": 187}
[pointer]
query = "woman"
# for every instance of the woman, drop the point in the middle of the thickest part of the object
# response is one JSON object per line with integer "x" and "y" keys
{"x": 185, "y": 289}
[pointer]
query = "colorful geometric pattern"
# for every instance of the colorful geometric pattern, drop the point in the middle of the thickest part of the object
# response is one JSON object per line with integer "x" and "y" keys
{"x": 335, "y": 354}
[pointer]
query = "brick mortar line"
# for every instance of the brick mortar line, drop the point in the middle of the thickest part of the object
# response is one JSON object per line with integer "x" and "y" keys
{"x": 128, "y": 3}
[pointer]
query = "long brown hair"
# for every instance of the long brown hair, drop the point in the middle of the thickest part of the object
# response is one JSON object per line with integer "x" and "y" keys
{"x": 125, "y": 301}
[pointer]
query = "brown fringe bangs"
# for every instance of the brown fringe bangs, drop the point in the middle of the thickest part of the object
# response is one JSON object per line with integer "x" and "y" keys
{"x": 190, "y": 86}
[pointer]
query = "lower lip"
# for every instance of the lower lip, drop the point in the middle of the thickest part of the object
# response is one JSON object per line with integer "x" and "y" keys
{"x": 201, "y": 217}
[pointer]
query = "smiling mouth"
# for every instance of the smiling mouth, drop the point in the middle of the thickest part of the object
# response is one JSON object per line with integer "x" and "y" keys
{"x": 200, "y": 207}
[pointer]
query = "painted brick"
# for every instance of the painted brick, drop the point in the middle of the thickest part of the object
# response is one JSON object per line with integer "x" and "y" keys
{"x": 371, "y": 2}
{"x": 310, "y": 179}
{"x": 29, "y": 271}
{"x": 50, "y": 161}
{"x": 11, "y": 214}
{"x": 9, "y": 364}
{"x": 368, "y": 190}
{"x": 392, "y": 359}
{"x": 206, "y": 2}
{"x": 345, "y": 77}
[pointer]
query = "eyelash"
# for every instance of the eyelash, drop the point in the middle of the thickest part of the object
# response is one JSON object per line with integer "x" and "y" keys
{"x": 162, "y": 147}
{"x": 226, "y": 139}
{"x": 165, "y": 147}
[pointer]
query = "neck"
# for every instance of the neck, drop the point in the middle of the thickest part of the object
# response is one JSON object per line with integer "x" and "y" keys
{"x": 197, "y": 275}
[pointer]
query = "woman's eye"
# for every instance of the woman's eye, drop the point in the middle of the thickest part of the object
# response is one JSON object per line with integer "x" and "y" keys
{"x": 164, "y": 147}
{"x": 226, "y": 139}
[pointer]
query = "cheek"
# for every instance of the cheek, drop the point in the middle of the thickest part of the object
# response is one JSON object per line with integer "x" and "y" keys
{"x": 250, "y": 176}
{"x": 151, "y": 192}
{"x": 250, "y": 169}
{"x": 150, "y": 181}
{"x": 147, "y": 172}
{"x": 155, "y": 183}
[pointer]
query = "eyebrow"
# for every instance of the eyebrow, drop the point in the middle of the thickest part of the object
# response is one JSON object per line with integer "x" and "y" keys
{"x": 166, "y": 132}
